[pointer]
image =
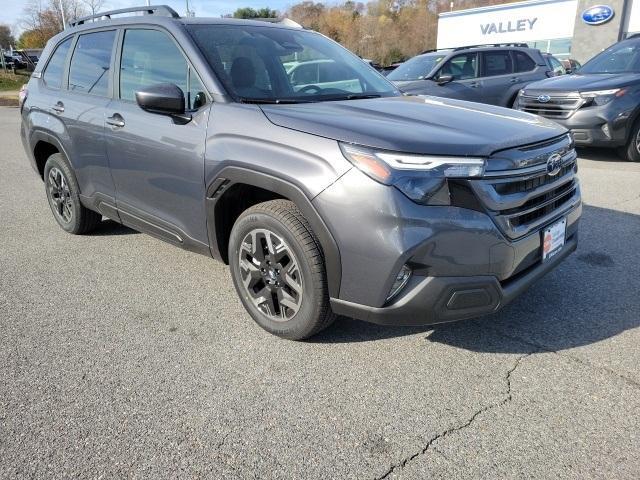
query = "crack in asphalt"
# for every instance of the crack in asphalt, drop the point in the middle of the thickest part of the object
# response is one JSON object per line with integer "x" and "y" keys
{"x": 629, "y": 381}
{"x": 508, "y": 397}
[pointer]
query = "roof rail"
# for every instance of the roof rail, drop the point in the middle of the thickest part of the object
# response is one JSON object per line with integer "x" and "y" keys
{"x": 431, "y": 50}
{"x": 512, "y": 44}
{"x": 151, "y": 10}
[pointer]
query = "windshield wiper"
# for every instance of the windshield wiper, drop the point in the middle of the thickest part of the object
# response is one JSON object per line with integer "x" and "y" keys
{"x": 359, "y": 96}
{"x": 273, "y": 101}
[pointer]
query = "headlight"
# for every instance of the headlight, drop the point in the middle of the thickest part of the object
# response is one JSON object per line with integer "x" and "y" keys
{"x": 422, "y": 178}
{"x": 602, "y": 97}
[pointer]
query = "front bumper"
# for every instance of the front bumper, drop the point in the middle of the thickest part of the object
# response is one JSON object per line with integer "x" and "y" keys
{"x": 463, "y": 265}
{"x": 432, "y": 300}
{"x": 598, "y": 126}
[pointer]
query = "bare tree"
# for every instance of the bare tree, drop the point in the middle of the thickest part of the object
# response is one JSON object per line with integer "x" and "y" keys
{"x": 94, "y": 6}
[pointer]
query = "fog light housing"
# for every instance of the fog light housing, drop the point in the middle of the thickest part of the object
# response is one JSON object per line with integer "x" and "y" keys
{"x": 401, "y": 280}
{"x": 605, "y": 130}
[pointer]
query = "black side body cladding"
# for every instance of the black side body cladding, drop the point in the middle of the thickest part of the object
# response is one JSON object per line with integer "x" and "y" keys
{"x": 229, "y": 176}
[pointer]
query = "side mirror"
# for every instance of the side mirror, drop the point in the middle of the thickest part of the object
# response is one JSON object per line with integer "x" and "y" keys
{"x": 164, "y": 99}
{"x": 444, "y": 79}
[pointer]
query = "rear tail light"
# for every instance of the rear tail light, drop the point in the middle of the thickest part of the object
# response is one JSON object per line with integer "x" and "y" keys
{"x": 22, "y": 95}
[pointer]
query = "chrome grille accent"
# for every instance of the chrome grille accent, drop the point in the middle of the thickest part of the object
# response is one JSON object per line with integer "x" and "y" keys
{"x": 559, "y": 106}
{"x": 523, "y": 200}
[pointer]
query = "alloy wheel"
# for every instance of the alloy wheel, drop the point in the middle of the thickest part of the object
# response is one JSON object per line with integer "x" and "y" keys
{"x": 270, "y": 274}
{"x": 60, "y": 195}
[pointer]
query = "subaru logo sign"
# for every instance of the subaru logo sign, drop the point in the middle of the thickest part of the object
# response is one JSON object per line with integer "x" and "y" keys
{"x": 544, "y": 98}
{"x": 597, "y": 15}
{"x": 554, "y": 164}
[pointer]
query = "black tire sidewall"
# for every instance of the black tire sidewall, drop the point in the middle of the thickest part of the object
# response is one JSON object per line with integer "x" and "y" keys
{"x": 59, "y": 162}
{"x": 305, "y": 319}
{"x": 631, "y": 152}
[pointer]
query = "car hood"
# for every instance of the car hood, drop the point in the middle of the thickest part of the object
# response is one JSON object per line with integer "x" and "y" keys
{"x": 578, "y": 82}
{"x": 426, "y": 125}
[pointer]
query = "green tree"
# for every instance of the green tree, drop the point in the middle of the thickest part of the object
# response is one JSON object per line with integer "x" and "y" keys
{"x": 248, "y": 13}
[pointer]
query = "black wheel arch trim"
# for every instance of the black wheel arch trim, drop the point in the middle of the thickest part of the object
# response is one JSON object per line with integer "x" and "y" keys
{"x": 38, "y": 135}
{"x": 231, "y": 175}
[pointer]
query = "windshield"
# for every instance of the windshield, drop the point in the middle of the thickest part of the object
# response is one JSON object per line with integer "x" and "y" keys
{"x": 620, "y": 58}
{"x": 416, "y": 68}
{"x": 274, "y": 65}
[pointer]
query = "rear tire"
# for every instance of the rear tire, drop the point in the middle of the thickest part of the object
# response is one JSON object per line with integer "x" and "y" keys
{"x": 63, "y": 195}
{"x": 631, "y": 151}
{"x": 278, "y": 270}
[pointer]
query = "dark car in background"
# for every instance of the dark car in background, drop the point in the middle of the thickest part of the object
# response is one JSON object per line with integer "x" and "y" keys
{"x": 571, "y": 65}
{"x": 600, "y": 103}
{"x": 486, "y": 74}
{"x": 556, "y": 66}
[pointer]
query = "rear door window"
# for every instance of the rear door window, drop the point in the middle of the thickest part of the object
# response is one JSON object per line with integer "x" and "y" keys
{"x": 53, "y": 72}
{"x": 497, "y": 63}
{"x": 90, "y": 67}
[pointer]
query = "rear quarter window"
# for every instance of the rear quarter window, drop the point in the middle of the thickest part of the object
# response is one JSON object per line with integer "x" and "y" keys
{"x": 53, "y": 72}
{"x": 523, "y": 62}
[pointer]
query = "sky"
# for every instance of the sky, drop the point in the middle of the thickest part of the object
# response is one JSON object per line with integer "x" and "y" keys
{"x": 11, "y": 10}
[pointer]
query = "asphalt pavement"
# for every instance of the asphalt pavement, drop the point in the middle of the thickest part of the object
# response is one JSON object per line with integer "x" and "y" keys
{"x": 124, "y": 357}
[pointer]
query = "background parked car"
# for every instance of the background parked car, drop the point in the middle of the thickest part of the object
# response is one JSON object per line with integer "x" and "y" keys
{"x": 571, "y": 64}
{"x": 600, "y": 103}
{"x": 556, "y": 66}
{"x": 486, "y": 74}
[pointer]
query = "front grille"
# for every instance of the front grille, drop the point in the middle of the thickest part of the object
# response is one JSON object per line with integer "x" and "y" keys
{"x": 559, "y": 106}
{"x": 522, "y": 200}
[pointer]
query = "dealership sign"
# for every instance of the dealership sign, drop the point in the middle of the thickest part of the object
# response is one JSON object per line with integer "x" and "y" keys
{"x": 528, "y": 21}
{"x": 597, "y": 15}
{"x": 520, "y": 25}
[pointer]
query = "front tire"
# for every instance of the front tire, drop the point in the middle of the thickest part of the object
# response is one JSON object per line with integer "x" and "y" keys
{"x": 631, "y": 151}
{"x": 63, "y": 195}
{"x": 278, "y": 270}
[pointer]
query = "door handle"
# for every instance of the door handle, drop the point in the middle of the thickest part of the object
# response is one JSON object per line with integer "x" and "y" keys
{"x": 58, "y": 107}
{"x": 514, "y": 79}
{"x": 474, "y": 84}
{"x": 116, "y": 120}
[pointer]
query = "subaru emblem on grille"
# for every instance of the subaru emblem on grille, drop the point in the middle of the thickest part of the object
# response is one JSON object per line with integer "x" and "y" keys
{"x": 554, "y": 163}
{"x": 544, "y": 98}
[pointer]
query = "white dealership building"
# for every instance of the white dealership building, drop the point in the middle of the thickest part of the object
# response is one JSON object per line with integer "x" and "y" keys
{"x": 562, "y": 27}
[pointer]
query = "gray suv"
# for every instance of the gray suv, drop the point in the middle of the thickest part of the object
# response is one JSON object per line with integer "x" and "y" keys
{"x": 336, "y": 197}
{"x": 487, "y": 74}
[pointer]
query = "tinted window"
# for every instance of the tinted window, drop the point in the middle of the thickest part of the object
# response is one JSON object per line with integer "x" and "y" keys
{"x": 461, "y": 67}
{"x": 497, "y": 63}
{"x": 524, "y": 63}
{"x": 53, "y": 74}
{"x": 90, "y": 63}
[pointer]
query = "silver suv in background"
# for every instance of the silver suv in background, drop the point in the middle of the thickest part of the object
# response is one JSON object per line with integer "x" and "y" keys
{"x": 488, "y": 74}
{"x": 336, "y": 197}
{"x": 600, "y": 103}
